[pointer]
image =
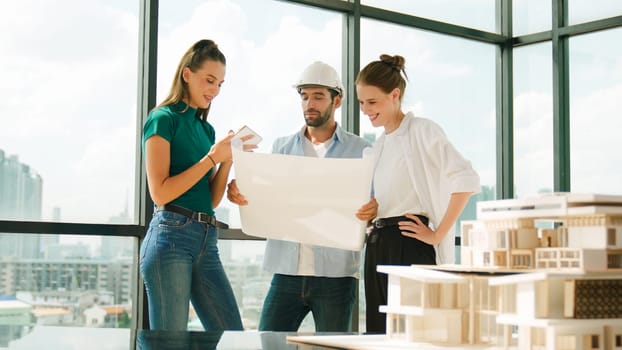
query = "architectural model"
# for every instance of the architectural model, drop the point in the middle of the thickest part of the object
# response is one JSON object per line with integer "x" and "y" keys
{"x": 536, "y": 273}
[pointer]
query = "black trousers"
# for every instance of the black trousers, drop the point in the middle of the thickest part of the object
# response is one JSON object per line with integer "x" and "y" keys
{"x": 389, "y": 247}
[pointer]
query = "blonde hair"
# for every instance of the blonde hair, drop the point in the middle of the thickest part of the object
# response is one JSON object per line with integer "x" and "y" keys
{"x": 385, "y": 74}
{"x": 203, "y": 50}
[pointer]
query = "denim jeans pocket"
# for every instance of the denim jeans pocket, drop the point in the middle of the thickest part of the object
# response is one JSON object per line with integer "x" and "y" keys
{"x": 163, "y": 228}
{"x": 170, "y": 220}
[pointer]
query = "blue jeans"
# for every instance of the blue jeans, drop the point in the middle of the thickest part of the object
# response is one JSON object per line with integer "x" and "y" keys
{"x": 180, "y": 263}
{"x": 290, "y": 299}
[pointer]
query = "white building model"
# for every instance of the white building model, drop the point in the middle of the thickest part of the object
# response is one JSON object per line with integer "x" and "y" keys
{"x": 537, "y": 273}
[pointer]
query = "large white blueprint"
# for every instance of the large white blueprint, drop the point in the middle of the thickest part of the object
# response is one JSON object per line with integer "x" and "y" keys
{"x": 304, "y": 199}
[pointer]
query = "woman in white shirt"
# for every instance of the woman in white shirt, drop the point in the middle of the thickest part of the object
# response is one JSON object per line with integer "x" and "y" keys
{"x": 421, "y": 182}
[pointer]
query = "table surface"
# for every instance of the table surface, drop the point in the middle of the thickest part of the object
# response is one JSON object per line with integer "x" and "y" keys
{"x": 80, "y": 338}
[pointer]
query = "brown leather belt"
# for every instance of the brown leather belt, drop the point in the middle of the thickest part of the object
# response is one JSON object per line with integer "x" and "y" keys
{"x": 194, "y": 215}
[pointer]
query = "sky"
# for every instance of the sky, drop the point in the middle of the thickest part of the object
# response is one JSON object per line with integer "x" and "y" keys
{"x": 68, "y": 81}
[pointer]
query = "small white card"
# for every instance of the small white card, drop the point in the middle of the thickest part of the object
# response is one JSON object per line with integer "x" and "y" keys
{"x": 244, "y": 131}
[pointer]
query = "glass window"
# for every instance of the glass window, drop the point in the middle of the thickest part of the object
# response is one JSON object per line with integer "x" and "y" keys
{"x": 531, "y": 16}
{"x": 580, "y": 11}
{"x": 595, "y": 123}
{"x": 66, "y": 280}
{"x": 533, "y": 120}
{"x": 474, "y": 14}
{"x": 68, "y": 111}
{"x": 265, "y": 56}
{"x": 451, "y": 81}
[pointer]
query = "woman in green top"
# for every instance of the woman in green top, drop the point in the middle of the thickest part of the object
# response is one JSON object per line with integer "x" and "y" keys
{"x": 179, "y": 256}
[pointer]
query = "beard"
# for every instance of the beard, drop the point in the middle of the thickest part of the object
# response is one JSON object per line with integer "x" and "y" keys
{"x": 321, "y": 119}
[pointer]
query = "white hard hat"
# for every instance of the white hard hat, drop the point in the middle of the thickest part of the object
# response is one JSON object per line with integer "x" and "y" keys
{"x": 320, "y": 74}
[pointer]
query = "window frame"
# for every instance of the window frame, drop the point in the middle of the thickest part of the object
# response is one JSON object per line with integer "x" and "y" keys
{"x": 352, "y": 12}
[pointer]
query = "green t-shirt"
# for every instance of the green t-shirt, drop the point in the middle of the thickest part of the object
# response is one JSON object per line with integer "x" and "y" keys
{"x": 190, "y": 139}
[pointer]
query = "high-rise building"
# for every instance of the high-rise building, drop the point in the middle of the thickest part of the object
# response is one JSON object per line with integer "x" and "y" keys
{"x": 54, "y": 276}
{"x": 20, "y": 199}
{"x": 20, "y": 190}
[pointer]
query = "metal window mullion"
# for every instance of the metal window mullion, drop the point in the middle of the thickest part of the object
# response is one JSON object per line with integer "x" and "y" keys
{"x": 351, "y": 43}
{"x": 66, "y": 228}
{"x": 350, "y": 111}
{"x": 589, "y": 27}
{"x": 504, "y": 102}
{"x": 561, "y": 99}
{"x": 533, "y": 38}
{"x": 335, "y": 5}
{"x": 431, "y": 25}
{"x": 147, "y": 79}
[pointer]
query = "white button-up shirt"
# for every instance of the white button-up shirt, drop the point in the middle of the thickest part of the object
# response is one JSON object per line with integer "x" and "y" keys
{"x": 436, "y": 170}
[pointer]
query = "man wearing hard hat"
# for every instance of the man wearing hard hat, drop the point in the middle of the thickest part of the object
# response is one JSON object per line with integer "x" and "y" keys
{"x": 313, "y": 278}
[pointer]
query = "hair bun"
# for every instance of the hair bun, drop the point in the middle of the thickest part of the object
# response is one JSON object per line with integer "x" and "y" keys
{"x": 205, "y": 43}
{"x": 397, "y": 61}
